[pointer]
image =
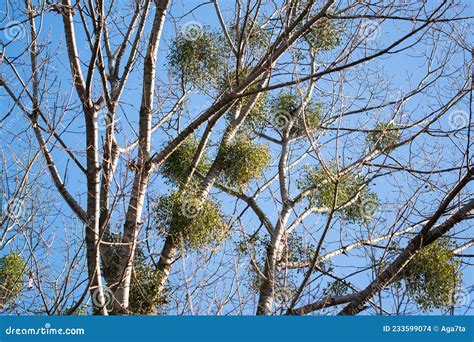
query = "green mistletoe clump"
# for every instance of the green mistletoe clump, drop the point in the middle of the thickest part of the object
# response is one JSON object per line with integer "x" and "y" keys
{"x": 196, "y": 222}
{"x": 354, "y": 199}
{"x": 177, "y": 165}
{"x": 244, "y": 161}
{"x": 384, "y": 136}
{"x": 12, "y": 277}
{"x": 285, "y": 112}
{"x": 196, "y": 60}
{"x": 432, "y": 276}
{"x": 325, "y": 35}
{"x": 255, "y": 35}
{"x": 336, "y": 288}
{"x": 145, "y": 293}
